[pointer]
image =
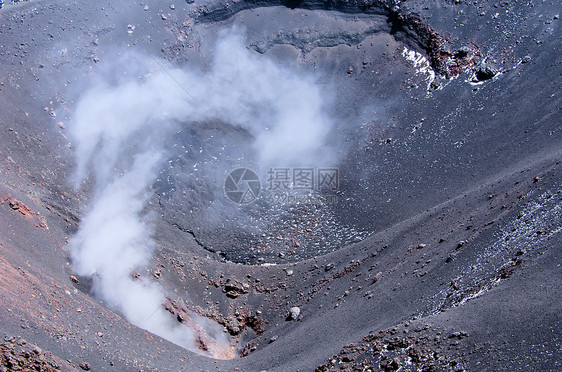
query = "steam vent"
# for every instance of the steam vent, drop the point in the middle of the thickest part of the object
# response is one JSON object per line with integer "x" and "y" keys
{"x": 300, "y": 185}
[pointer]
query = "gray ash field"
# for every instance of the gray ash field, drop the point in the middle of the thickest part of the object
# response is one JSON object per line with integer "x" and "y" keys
{"x": 408, "y": 213}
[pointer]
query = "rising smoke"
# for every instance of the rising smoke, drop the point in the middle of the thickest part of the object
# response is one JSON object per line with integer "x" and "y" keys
{"x": 118, "y": 129}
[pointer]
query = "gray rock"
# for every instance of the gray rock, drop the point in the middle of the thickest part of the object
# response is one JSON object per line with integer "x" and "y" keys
{"x": 294, "y": 312}
{"x": 485, "y": 72}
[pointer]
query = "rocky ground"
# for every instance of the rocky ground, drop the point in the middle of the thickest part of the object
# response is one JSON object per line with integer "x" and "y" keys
{"x": 441, "y": 252}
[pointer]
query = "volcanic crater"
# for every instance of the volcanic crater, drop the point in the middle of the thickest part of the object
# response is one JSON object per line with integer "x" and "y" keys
{"x": 434, "y": 247}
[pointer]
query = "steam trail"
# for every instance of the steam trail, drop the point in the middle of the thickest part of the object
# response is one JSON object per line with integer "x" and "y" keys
{"x": 118, "y": 130}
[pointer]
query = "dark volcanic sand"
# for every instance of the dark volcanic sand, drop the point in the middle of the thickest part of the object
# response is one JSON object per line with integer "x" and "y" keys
{"x": 442, "y": 253}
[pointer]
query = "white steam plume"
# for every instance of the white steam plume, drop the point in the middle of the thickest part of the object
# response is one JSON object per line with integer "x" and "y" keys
{"x": 118, "y": 131}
